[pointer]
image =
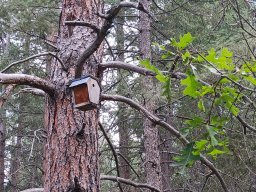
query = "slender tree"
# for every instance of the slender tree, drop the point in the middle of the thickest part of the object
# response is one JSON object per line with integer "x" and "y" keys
{"x": 151, "y": 136}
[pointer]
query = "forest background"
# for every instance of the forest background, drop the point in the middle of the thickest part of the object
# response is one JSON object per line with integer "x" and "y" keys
{"x": 183, "y": 73}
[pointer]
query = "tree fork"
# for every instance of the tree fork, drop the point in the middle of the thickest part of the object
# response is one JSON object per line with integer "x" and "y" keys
{"x": 71, "y": 148}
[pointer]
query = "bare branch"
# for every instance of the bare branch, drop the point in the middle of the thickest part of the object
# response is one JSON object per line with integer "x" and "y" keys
{"x": 33, "y": 91}
{"x": 33, "y": 81}
{"x": 109, "y": 17}
{"x": 167, "y": 126}
{"x": 126, "y": 66}
{"x": 245, "y": 124}
{"x": 82, "y": 23}
{"x": 149, "y": 115}
{"x": 32, "y": 57}
{"x": 34, "y": 190}
{"x": 128, "y": 182}
{"x": 113, "y": 151}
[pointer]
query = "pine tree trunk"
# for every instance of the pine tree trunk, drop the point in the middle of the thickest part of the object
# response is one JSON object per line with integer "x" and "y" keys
{"x": 151, "y": 136}
{"x": 71, "y": 150}
{"x": 2, "y": 150}
{"x": 166, "y": 148}
{"x": 17, "y": 151}
{"x": 122, "y": 115}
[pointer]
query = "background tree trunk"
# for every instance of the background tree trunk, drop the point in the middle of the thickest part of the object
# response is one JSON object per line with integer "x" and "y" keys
{"x": 2, "y": 150}
{"x": 151, "y": 136}
{"x": 165, "y": 149}
{"x": 122, "y": 115}
{"x": 71, "y": 150}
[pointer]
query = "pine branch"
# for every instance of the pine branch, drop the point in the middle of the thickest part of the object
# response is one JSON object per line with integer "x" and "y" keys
{"x": 33, "y": 81}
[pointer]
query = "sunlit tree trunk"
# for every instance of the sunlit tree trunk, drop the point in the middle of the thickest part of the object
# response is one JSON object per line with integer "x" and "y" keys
{"x": 71, "y": 149}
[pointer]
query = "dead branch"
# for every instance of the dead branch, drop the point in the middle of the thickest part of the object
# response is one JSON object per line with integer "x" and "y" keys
{"x": 34, "y": 190}
{"x": 167, "y": 126}
{"x": 33, "y": 91}
{"x": 113, "y": 151}
{"x": 32, "y": 57}
{"x": 245, "y": 124}
{"x": 128, "y": 182}
{"x": 33, "y": 81}
{"x": 126, "y": 66}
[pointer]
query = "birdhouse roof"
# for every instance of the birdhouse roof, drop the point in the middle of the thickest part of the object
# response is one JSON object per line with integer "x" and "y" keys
{"x": 82, "y": 80}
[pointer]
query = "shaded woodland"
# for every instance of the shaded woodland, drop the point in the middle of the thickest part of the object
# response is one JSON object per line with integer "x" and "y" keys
{"x": 177, "y": 102}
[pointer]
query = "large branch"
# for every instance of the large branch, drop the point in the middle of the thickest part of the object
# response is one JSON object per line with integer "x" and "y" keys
{"x": 165, "y": 125}
{"x": 33, "y": 81}
{"x": 128, "y": 182}
{"x": 102, "y": 32}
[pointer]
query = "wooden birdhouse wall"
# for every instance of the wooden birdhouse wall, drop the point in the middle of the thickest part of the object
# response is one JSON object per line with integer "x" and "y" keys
{"x": 81, "y": 94}
{"x": 86, "y": 93}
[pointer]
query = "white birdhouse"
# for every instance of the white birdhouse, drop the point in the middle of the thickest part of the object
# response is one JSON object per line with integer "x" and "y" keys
{"x": 86, "y": 92}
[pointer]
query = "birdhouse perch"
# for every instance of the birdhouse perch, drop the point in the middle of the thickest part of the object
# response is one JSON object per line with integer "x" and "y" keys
{"x": 86, "y": 92}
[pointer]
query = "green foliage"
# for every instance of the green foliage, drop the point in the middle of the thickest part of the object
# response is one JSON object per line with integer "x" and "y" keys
{"x": 183, "y": 42}
{"x": 187, "y": 157}
{"x": 164, "y": 79}
{"x": 191, "y": 86}
{"x": 213, "y": 81}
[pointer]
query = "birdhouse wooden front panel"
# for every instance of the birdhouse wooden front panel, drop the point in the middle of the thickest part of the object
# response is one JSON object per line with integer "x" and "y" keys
{"x": 81, "y": 94}
{"x": 86, "y": 93}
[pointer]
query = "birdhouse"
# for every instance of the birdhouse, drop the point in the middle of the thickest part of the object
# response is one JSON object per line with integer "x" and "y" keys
{"x": 86, "y": 92}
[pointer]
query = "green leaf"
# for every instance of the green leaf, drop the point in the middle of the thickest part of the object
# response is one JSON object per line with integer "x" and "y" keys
{"x": 187, "y": 157}
{"x": 200, "y": 105}
{"x": 195, "y": 122}
{"x": 216, "y": 152}
{"x": 185, "y": 40}
{"x": 251, "y": 79}
{"x": 192, "y": 86}
{"x": 201, "y": 145}
{"x": 206, "y": 90}
{"x": 186, "y": 55}
{"x": 226, "y": 53}
{"x": 167, "y": 88}
{"x": 160, "y": 77}
{"x": 212, "y": 132}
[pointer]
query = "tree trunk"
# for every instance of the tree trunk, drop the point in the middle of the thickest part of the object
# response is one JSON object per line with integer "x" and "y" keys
{"x": 151, "y": 136}
{"x": 16, "y": 155}
{"x": 2, "y": 150}
{"x": 166, "y": 148}
{"x": 71, "y": 149}
{"x": 122, "y": 115}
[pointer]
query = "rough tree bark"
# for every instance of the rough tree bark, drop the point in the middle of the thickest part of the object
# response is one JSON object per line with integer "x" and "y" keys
{"x": 151, "y": 136}
{"x": 16, "y": 154}
{"x": 122, "y": 115}
{"x": 2, "y": 149}
{"x": 71, "y": 149}
{"x": 165, "y": 149}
